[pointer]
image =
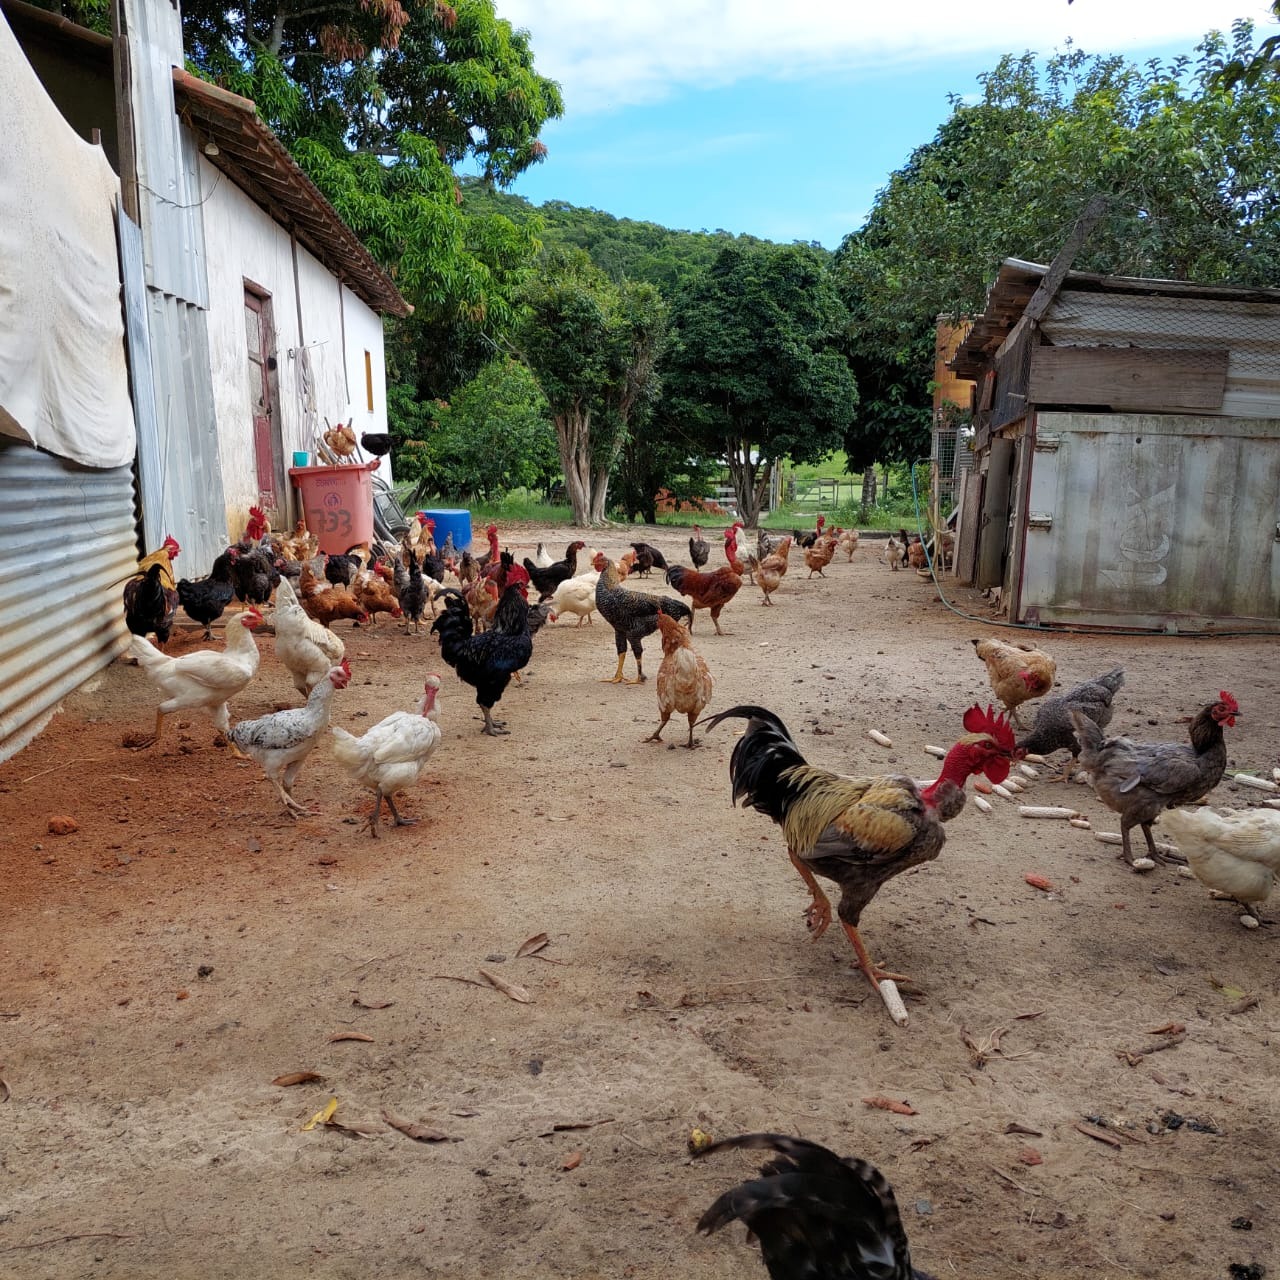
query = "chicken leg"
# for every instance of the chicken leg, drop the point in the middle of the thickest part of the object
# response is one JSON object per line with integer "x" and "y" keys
{"x": 616, "y": 678}
{"x": 818, "y": 913}
{"x": 1168, "y": 859}
{"x": 494, "y": 728}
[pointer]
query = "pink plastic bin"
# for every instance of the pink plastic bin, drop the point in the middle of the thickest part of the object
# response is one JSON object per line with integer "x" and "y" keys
{"x": 337, "y": 504}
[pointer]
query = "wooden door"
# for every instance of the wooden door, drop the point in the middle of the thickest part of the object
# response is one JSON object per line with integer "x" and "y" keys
{"x": 267, "y": 447}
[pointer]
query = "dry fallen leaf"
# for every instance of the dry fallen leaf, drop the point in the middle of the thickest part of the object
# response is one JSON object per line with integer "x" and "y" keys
{"x": 1030, "y": 1156}
{"x": 184, "y": 994}
{"x": 350, "y": 1035}
{"x": 1100, "y": 1135}
{"x": 418, "y": 1132}
{"x": 530, "y": 945}
{"x": 1039, "y": 882}
{"x": 322, "y": 1116}
{"x": 372, "y": 1004}
{"x": 5, "y": 1093}
{"x": 507, "y": 988}
{"x": 1169, "y": 1029}
{"x": 891, "y": 1104}
{"x": 297, "y": 1077}
{"x": 353, "y": 1129}
{"x": 572, "y": 1161}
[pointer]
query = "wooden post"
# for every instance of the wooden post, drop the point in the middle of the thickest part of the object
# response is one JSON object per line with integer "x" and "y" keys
{"x": 122, "y": 64}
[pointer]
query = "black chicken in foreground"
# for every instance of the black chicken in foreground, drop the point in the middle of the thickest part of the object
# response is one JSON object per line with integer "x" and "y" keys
{"x": 816, "y": 1216}
{"x": 377, "y": 443}
{"x": 150, "y": 601}
{"x": 1053, "y": 731}
{"x": 203, "y": 600}
{"x": 489, "y": 660}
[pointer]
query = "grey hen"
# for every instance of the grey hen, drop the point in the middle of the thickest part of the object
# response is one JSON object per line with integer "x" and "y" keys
{"x": 1053, "y": 731}
{"x": 817, "y": 1216}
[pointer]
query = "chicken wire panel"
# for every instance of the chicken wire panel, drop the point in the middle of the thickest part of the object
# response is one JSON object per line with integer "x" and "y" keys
{"x": 51, "y": 647}
{"x": 1129, "y": 514}
{"x": 1248, "y": 331}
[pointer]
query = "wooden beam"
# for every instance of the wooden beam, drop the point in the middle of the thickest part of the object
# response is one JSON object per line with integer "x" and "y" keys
{"x": 1135, "y": 378}
{"x": 1061, "y": 264}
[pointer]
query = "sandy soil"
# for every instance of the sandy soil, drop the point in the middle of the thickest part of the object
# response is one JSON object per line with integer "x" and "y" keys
{"x": 143, "y": 1136}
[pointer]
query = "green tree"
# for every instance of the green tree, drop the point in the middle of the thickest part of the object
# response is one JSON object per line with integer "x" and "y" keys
{"x": 593, "y": 346}
{"x": 495, "y": 435}
{"x": 756, "y": 369}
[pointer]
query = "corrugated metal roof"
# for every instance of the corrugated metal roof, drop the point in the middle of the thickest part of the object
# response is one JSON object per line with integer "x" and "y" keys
{"x": 1017, "y": 280}
{"x": 74, "y": 526}
{"x": 260, "y": 165}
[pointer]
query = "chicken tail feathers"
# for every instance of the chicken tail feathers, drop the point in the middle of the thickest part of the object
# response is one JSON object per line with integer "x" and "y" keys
{"x": 815, "y": 1213}
{"x": 761, "y": 760}
{"x": 148, "y": 656}
{"x": 1112, "y": 681}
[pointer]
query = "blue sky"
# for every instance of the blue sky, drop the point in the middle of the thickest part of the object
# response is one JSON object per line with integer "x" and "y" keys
{"x": 752, "y": 117}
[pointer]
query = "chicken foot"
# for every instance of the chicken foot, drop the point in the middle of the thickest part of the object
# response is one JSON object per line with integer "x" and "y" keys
{"x": 1167, "y": 859}
{"x": 494, "y": 728}
{"x": 372, "y": 824}
{"x": 291, "y": 806}
{"x": 875, "y": 974}
{"x": 656, "y": 735}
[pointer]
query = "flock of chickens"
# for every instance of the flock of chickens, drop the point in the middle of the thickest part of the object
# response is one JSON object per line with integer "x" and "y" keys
{"x": 813, "y": 1213}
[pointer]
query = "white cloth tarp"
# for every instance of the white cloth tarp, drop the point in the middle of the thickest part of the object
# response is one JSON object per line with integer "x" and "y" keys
{"x": 63, "y": 381}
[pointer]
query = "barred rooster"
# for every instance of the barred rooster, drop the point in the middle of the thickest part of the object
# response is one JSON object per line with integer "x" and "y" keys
{"x": 631, "y": 614}
{"x": 816, "y": 1215}
{"x": 858, "y": 832}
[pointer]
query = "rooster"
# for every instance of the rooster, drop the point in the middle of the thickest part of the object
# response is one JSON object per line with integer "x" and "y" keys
{"x": 483, "y": 561}
{"x": 858, "y": 832}
{"x": 282, "y": 741}
{"x": 710, "y": 591}
{"x": 631, "y": 615}
{"x": 741, "y": 561}
{"x": 393, "y": 754}
{"x": 1017, "y": 672}
{"x": 816, "y": 1216}
{"x": 204, "y": 678}
{"x": 684, "y": 682}
{"x": 813, "y": 537}
{"x": 488, "y": 661}
{"x": 1236, "y": 852}
{"x": 150, "y": 596}
{"x": 1140, "y": 779}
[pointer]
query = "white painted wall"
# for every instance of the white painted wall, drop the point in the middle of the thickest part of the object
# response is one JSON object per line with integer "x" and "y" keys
{"x": 243, "y": 243}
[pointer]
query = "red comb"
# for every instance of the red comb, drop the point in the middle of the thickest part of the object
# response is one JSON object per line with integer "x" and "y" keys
{"x": 345, "y": 664}
{"x": 1229, "y": 700}
{"x": 978, "y": 721}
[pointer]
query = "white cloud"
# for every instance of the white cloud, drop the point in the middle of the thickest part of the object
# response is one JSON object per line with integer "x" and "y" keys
{"x": 613, "y": 53}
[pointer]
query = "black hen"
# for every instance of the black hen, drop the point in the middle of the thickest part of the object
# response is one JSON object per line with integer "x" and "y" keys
{"x": 149, "y": 605}
{"x": 489, "y": 660}
{"x": 412, "y": 593}
{"x": 254, "y": 574}
{"x": 632, "y": 615}
{"x": 204, "y": 599}
{"x": 816, "y": 1216}
{"x": 547, "y": 580}
{"x": 1053, "y": 730}
{"x": 699, "y": 551}
{"x": 377, "y": 443}
{"x": 341, "y": 570}
{"x": 647, "y": 558}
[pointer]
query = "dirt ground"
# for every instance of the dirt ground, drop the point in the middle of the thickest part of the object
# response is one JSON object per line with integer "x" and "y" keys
{"x": 143, "y": 1137}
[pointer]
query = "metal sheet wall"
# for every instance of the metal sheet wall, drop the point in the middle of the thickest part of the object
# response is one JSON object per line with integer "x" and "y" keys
{"x": 1157, "y": 521}
{"x": 71, "y": 526}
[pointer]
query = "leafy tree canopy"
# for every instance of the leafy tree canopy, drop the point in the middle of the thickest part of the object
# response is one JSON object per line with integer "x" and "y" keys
{"x": 757, "y": 370}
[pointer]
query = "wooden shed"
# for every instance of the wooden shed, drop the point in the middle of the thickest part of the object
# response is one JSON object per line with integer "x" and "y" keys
{"x": 1126, "y": 451}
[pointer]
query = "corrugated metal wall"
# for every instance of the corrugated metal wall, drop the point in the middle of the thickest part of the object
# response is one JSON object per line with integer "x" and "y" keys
{"x": 1154, "y": 521}
{"x": 190, "y": 504}
{"x": 69, "y": 528}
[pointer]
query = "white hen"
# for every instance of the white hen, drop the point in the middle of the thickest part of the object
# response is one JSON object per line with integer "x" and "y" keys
{"x": 306, "y": 648}
{"x": 1236, "y": 851}
{"x": 577, "y": 596}
{"x": 393, "y": 754}
{"x": 281, "y": 741}
{"x": 206, "y": 678}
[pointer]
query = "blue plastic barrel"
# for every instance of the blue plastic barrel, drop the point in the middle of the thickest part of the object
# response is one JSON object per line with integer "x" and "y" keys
{"x": 456, "y": 522}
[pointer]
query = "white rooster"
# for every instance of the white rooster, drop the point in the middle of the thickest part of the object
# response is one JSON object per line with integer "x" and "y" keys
{"x": 281, "y": 741}
{"x": 305, "y": 647}
{"x": 393, "y": 754}
{"x": 1235, "y": 851}
{"x": 206, "y": 678}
